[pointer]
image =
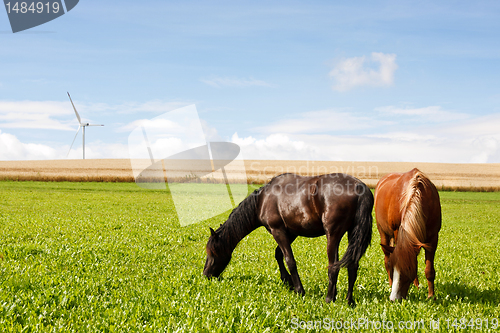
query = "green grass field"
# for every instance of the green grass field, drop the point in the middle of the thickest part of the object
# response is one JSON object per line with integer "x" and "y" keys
{"x": 113, "y": 258}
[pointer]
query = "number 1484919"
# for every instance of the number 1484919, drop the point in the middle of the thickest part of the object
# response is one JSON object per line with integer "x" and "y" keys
{"x": 39, "y": 7}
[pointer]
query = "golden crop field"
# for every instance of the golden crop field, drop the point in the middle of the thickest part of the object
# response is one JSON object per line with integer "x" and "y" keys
{"x": 473, "y": 177}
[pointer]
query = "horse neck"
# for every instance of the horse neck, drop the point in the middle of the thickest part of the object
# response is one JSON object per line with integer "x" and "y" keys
{"x": 242, "y": 221}
{"x": 413, "y": 217}
{"x": 405, "y": 254}
{"x": 412, "y": 231}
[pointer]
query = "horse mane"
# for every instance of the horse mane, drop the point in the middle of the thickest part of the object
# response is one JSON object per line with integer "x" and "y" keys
{"x": 412, "y": 232}
{"x": 240, "y": 223}
{"x": 278, "y": 176}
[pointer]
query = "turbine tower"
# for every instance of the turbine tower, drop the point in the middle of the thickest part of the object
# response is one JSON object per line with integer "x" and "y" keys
{"x": 82, "y": 125}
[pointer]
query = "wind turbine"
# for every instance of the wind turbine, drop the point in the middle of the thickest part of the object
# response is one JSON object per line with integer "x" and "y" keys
{"x": 82, "y": 125}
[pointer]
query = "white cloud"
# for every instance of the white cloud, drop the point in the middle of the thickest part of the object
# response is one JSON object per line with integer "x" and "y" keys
{"x": 323, "y": 121}
{"x": 36, "y": 115}
{"x": 429, "y": 113}
{"x": 166, "y": 147}
{"x": 484, "y": 125}
{"x": 219, "y": 82}
{"x": 274, "y": 147}
{"x": 13, "y": 149}
{"x": 60, "y": 115}
{"x": 404, "y": 136}
{"x": 153, "y": 106}
{"x": 354, "y": 72}
{"x": 211, "y": 134}
{"x": 469, "y": 140}
{"x": 480, "y": 137}
{"x": 412, "y": 148}
{"x": 486, "y": 148}
{"x": 165, "y": 125}
{"x": 343, "y": 121}
{"x": 434, "y": 135}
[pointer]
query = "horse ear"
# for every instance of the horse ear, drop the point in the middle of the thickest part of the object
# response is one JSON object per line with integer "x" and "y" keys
{"x": 387, "y": 249}
{"x": 212, "y": 232}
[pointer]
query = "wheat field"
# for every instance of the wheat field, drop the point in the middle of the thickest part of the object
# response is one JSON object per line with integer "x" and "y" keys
{"x": 446, "y": 176}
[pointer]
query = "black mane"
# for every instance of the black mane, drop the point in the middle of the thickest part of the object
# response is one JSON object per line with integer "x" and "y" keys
{"x": 241, "y": 222}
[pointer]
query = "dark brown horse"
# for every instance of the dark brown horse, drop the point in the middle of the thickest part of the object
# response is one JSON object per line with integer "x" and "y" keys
{"x": 408, "y": 213}
{"x": 291, "y": 206}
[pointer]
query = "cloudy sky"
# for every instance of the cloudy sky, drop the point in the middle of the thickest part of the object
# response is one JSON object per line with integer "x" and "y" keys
{"x": 323, "y": 80}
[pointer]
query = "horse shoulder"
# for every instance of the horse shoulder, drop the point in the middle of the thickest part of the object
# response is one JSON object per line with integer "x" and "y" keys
{"x": 268, "y": 211}
{"x": 387, "y": 203}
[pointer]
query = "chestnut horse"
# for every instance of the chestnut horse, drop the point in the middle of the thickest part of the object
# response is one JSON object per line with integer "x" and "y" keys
{"x": 408, "y": 213}
{"x": 290, "y": 206}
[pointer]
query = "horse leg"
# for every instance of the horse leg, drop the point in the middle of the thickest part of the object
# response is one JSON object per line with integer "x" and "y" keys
{"x": 416, "y": 283}
{"x": 333, "y": 272}
{"x": 430, "y": 272}
{"x": 352, "y": 271}
{"x": 284, "y": 244}
{"x": 285, "y": 276}
{"x": 386, "y": 240}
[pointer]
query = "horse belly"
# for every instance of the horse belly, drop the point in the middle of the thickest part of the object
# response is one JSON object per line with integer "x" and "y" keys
{"x": 303, "y": 224}
{"x": 306, "y": 229}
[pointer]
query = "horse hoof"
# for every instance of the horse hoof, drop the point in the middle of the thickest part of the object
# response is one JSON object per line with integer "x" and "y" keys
{"x": 288, "y": 282}
{"x": 351, "y": 303}
{"x": 329, "y": 299}
{"x": 301, "y": 292}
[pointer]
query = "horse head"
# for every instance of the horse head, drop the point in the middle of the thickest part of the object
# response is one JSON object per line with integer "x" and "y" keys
{"x": 217, "y": 256}
{"x": 402, "y": 270}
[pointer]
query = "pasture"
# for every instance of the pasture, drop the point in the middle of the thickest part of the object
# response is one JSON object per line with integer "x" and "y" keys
{"x": 112, "y": 257}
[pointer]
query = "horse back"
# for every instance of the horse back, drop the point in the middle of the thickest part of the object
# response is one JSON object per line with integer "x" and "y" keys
{"x": 387, "y": 203}
{"x": 302, "y": 205}
{"x": 390, "y": 201}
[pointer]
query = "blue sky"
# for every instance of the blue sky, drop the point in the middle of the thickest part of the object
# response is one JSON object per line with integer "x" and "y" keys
{"x": 363, "y": 80}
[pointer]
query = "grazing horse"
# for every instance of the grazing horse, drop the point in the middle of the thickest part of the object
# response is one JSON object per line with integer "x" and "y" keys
{"x": 408, "y": 213}
{"x": 291, "y": 205}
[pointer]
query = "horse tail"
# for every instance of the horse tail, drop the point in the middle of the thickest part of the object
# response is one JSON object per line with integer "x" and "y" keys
{"x": 412, "y": 227}
{"x": 360, "y": 236}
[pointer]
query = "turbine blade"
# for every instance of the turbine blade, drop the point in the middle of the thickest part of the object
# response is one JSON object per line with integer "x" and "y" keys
{"x": 76, "y": 112}
{"x": 94, "y": 125}
{"x": 73, "y": 140}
